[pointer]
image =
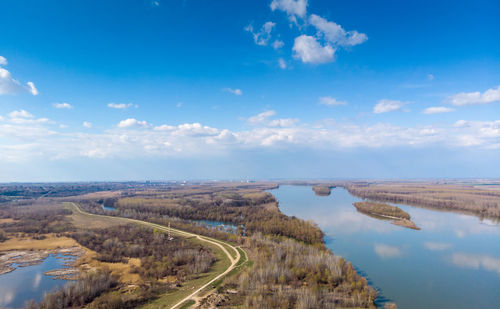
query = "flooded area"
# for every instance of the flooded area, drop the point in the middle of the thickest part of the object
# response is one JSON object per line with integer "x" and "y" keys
{"x": 30, "y": 282}
{"x": 452, "y": 262}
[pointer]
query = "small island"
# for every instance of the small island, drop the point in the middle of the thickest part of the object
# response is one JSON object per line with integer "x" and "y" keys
{"x": 322, "y": 190}
{"x": 396, "y": 214}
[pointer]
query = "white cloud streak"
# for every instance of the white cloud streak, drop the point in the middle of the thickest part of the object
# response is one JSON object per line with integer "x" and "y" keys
{"x": 235, "y": 91}
{"x": 475, "y": 98}
{"x": 385, "y": 106}
{"x": 437, "y": 110}
{"x": 120, "y": 105}
{"x": 329, "y": 101}
{"x": 63, "y": 105}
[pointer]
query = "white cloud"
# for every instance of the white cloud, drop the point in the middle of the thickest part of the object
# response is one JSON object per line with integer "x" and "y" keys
{"x": 120, "y": 105}
{"x": 63, "y": 105}
{"x": 291, "y": 7}
{"x": 23, "y": 136}
{"x": 3, "y": 61}
{"x": 309, "y": 50}
{"x": 386, "y": 251}
{"x": 131, "y": 122}
{"x": 335, "y": 34}
{"x": 430, "y": 77}
{"x": 20, "y": 114}
{"x": 282, "y": 63}
{"x": 437, "y": 110}
{"x": 475, "y": 98}
{"x": 277, "y": 44}
{"x": 284, "y": 122}
{"x": 384, "y": 106}
{"x": 331, "y": 101}
{"x": 234, "y": 91}
{"x": 260, "y": 118}
{"x": 9, "y": 85}
{"x": 31, "y": 88}
{"x": 264, "y": 35}
{"x": 179, "y": 104}
{"x": 87, "y": 124}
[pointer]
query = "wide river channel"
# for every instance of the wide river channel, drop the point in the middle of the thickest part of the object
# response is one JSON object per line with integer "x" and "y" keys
{"x": 452, "y": 262}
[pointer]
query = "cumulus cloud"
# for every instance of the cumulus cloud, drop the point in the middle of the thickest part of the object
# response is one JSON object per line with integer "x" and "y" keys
{"x": 9, "y": 85}
{"x": 437, "y": 110}
{"x": 329, "y": 101}
{"x": 291, "y": 7}
{"x": 262, "y": 36}
{"x": 234, "y": 91}
{"x": 20, "y": 114}
{"x": 385, "y": 251}
{"x": 307, "y": 49}
{"x": 63, "y": 105}
{"x": 120, "y": 105}
{"x": 87, "y": 124}
{"x": 31, "y": 137}
{"x": 335, "y": 34}
{"x": 385, "y": 106}
{"x": 475, "y": 98}
{"x": 132, "y": 122}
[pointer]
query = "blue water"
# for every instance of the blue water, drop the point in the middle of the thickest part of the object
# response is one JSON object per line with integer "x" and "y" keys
{"x": 226, "y": 227}
{"x": 107, "y": 207}
{"x": 25, "y": 283}
{"x": 453, "y": 262}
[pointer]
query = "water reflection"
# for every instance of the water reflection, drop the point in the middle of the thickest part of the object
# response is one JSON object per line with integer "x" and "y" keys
{"x": 436, "y": 246}
{"x": 405, "y": 264}
{"x": 385, "y": 251}
{"x": 29, "y": 282}
{"x": 486, "y": 262}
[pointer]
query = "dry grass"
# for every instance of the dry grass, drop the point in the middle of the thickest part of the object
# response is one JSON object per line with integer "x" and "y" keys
{"x": 51, "y": 242}
{"x": 6, "y": 220}
{"x": 121, "y": 270}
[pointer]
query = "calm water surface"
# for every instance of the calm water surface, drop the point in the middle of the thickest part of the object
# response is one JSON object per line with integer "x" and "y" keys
{"x": 29, "y": 282}
{"x": 453, "y": 262}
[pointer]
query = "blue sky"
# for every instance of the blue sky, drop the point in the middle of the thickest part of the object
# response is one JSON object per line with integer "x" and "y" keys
{"x": 193, "y": 89}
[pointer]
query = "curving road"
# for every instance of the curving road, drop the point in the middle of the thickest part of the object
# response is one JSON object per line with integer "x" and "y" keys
{"x": 210, "y": 240}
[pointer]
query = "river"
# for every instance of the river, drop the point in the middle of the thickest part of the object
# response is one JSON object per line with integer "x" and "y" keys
{"x": 452, "y": 262}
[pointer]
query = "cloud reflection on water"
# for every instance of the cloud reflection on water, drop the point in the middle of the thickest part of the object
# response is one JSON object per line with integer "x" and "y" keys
{"x": 386, "y": 251}
{"x": 475, "y": 261}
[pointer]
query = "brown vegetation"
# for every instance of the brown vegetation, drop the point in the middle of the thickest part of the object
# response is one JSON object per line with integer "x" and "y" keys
{"x": 381, "y": 209}
{"x": 321, "y": 190}
{"x": 289, "y": 274}
{"x": 472, "y": 198}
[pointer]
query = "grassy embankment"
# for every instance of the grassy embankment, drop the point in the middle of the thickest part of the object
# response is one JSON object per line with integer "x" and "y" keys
{"x": 228, "y": 257}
